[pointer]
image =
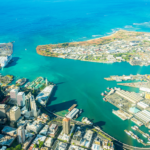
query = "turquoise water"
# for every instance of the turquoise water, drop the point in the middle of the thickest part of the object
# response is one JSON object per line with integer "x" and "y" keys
{"x": 33, "y": 22}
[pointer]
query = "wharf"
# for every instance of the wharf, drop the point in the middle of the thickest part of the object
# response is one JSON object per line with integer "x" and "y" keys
{"x": 135, "y": 84}
{"x": 129, "y": 77}
{"x": 73, "y": 106}
{"x": 139, "y": 123}
{"x": 143, "y": 133}
{"x": 121, "y": 114}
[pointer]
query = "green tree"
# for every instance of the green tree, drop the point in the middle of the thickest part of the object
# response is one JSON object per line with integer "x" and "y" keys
{"x": 18, "y": 147}
{"x": 35, "y": 146}
{"x": 65, "y": 44}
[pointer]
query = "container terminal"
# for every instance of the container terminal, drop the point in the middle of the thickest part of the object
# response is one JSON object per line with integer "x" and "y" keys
{"x": 131, "y": 105}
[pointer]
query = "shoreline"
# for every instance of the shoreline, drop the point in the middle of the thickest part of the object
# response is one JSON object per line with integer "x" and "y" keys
{"x": 123, "y": 45}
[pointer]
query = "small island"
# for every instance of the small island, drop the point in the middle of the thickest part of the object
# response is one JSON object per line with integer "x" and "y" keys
{"x": 129, "y": 46}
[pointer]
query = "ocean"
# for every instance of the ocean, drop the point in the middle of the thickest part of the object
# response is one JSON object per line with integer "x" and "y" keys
{"x": 36, "y": 22}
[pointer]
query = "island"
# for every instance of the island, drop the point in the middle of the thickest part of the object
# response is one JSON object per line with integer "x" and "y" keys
{"x": 129, "y": 46}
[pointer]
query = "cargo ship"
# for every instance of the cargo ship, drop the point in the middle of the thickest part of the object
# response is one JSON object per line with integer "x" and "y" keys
{"x": 73, "y": 106}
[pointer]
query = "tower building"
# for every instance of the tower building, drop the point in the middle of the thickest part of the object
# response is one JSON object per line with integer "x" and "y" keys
{"x": 21, "y": 134}
{"x": 21, "y": 99}
{"x": 66, "y": 125}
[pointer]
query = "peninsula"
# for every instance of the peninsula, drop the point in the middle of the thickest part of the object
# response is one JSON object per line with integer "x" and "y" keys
{"x": 133, "y": 47}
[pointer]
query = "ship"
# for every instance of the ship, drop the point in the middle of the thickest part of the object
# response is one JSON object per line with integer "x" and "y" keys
{"x": 139, "y": 140}
{"x": 118, "y": 80}
{"x": 26, "y": 85}
{"x": 21, "y": 81}
{"x": 80, "y": 111}
{"x": 133, "y": 136}
{"x": 127, "y": 132}
{"x": 6, "y": 50}
{"x": 4, "y": 60}
{"x": 133, "y": 128}
{"x": 105, "y": 99}
{"x": 102, "y": 94}
{"x": 136, "y": 127}
{"x": 144, "y": 135}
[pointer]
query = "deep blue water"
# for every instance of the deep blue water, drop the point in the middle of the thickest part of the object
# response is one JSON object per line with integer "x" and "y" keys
{"x": 34, "y": 22}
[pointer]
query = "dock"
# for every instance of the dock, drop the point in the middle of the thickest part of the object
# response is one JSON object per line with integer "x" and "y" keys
{"x": 121, "y": 114}
{"x": 73, "y": 106}
{"x": 128, "y": 77}
{"x": 139, "y": 123}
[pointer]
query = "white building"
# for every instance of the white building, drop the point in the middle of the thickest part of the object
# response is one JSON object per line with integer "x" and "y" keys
{"x": 34, "y": 107}
{"x": 21, "y": 99}
{"x": 21, "y": 134}
{"x": 44, "y": 130}
{"x": 34, "y": 126}
{"x": 48, "y": 142}
{"x": 142, "y": 104}
{"x": 14, "y": 113}
{"x": 13, "y": 94}
{"x": 144, "y": 89}
{"x": 44, "y": 95}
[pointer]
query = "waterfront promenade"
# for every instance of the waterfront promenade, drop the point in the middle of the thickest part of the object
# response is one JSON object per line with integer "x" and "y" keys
{"x": 116, "y": 142}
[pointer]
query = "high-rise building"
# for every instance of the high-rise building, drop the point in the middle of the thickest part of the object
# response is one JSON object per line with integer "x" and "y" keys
{"x": 15, "y": 113}
{"x": 66, "y": 125}
{"x": 33, "y": 107}
{"x": 21, "y": 99}
{"x": 3, "y": 110}
{"x": 13, "y": 94}
{"x": 28, "y": 100}
{"x": 21, "y": 134}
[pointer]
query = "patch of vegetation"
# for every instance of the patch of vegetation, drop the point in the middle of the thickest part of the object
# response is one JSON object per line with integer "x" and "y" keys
{"x": 65, "y": 44}
{"x": 100, "y": 133}
{"x": 18, "y": 147}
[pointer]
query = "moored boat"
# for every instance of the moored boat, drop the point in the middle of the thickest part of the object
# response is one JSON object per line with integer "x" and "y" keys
{"x": 144, "y": 135}
{"x": 102, "y": 94}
